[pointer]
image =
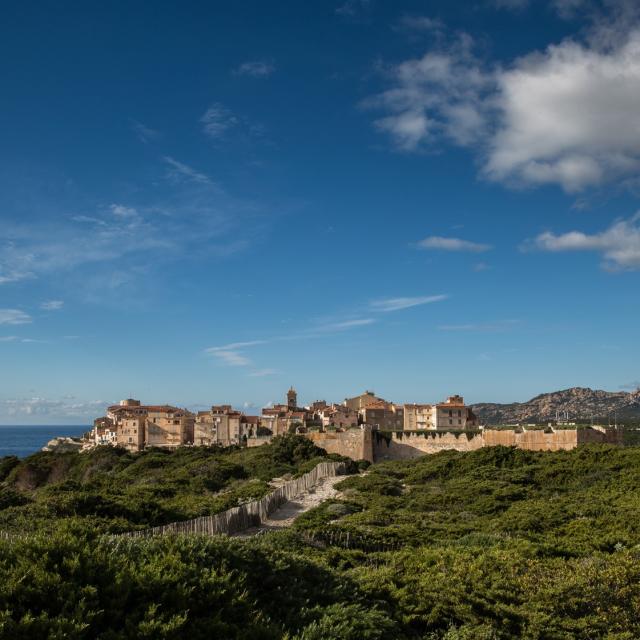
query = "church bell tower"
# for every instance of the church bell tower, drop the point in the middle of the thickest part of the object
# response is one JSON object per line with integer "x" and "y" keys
{"x": 292, "y": 399}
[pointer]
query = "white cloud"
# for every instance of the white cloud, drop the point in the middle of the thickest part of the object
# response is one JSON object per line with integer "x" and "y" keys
{"x": 52, "y": 305}
{"x": 235, "y": 345}
{"x": 7, "y": 276}
{"x": 261, "y": 373}
{"x": 453, "y": 244}
{"x": 232, "y": 355}
{"x": 68, "y": 407}
{"x": 353, "y": 8}
{"x": 441, "y": 94}
{"x": 420, "y": 24}
{"x": 396, "y": 304}
{"x": 179, "y": 170}
{"x": 118, "y": 245}
{"x": 501, "y": 325}
{"x": 217, "y": 120}
{"x": 121, "y": 211}
{"x": 567, "y": 115}
{"x": 145, "y": 134}
{"x": 344, "y": 325}
{"x": 232, "y": 358}
{"x": 256, "y": 68}
{"x": 14, "y": 316}
{"x": 619, "y": 245}
{"x": 511, "y": 4}
{"x": 22, "y": 340}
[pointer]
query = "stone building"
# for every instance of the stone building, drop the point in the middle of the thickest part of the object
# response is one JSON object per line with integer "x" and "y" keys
{"x": 130, "y": 432}
{"x": 450, "y": 414}
{"x": 104, "y": 431}
{"x": 363, "y": 400}
{"x": 221, "y": 425}
{"x": 168, "y": 426}
{"x": 138, "y": 426}
{"x": 418, "y": 417}
{"x": 382, "y": 415}
{"x": 337, "y": 415}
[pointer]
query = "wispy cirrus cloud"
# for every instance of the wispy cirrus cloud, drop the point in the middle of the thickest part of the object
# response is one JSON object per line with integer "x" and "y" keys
{"x": 144, "y": 134}
{"x": 397, "y": 304}
{"x": 619, "y": 245}
{"x": 217, "y": 120}
{"x": 500, "y": 325}
{"x": 453, "y": 244}
{"x": 233, "y": 346}
{"x": 232, "y": 354}
{"x": 125, "y": 243}
{"x": 333, "y": 327}
{"x": 52, "y": 305}
{"x": 262, "y": 373}
{"x": 8, "y": 275}
{"x": 354, "y": 8}
{"x": 232, "y": 358}
{"x": 256, "y": 68}
{"x": 14, "y": 317}
{"x": 181, "y": 171}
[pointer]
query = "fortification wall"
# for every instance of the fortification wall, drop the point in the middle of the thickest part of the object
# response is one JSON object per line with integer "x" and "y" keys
{"x": 354, "y": 443}
{"x": 363, "y": 444}
{"x": 534, "y": 440}
{"x": 405, "y": 446}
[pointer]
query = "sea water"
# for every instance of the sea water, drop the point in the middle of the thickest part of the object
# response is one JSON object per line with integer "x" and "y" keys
{"x": 23, "y": 440}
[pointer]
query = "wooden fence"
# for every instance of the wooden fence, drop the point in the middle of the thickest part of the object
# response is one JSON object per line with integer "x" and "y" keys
{"x": 250, "y": 514}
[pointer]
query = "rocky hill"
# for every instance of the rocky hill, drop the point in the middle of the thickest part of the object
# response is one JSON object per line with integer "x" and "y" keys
{"x": 581, "y": 403}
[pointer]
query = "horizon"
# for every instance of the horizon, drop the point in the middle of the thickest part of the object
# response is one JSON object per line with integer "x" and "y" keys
{"x": 209, "y": 202}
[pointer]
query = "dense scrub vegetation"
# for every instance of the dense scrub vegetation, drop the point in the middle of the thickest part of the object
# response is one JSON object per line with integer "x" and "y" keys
{"x": 115, "y": 491}
{"x": 493, "y": 544}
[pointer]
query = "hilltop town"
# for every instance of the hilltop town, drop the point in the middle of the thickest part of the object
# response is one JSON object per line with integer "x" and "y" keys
{"x": 135, "y": 426}
{"x": 364, "y": 427}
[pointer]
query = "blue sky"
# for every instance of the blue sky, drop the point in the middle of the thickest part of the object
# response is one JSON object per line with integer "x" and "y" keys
{"x": 207, "y": 202}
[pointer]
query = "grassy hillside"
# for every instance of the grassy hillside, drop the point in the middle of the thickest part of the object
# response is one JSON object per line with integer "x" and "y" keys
{"x": 493, "y": 544}
{"x": 114, "y": 491}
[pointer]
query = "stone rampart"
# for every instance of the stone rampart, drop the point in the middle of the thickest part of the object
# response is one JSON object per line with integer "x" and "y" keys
{"x": 376, "y": 446}
{"x": 404, "y": 446}
{"x": 354, "y": 443}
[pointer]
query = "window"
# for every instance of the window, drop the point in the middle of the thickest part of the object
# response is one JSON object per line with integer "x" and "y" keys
{"x": 450, "y": 421}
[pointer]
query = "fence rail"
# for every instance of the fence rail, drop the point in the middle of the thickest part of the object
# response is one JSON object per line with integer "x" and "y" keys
{"x": 250, "y": 514}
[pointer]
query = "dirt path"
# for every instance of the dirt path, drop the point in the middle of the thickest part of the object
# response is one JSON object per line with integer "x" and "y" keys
{"x": 289, "y": 511}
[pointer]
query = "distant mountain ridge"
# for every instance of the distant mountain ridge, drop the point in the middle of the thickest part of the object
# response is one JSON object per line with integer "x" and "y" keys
{"x": 581, "y": 403}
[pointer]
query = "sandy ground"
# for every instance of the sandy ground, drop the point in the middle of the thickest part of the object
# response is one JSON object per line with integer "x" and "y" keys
{"x": 289, "y": 511}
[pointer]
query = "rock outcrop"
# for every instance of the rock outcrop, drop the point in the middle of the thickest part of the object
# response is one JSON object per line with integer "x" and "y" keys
{"x": 580, "y": 403}
{"x": 63, "y": 444}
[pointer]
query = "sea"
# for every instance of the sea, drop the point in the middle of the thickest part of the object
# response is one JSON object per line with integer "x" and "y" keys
{"x": 23, "y": 440}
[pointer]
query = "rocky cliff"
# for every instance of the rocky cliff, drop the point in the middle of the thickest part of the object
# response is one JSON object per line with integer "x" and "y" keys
{"x": 581, "y": 403}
